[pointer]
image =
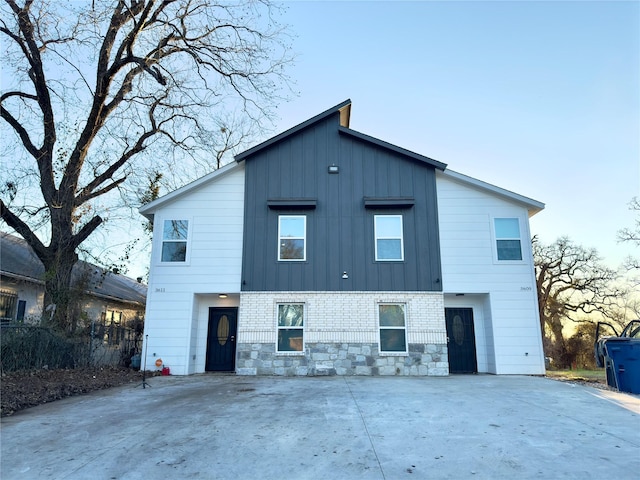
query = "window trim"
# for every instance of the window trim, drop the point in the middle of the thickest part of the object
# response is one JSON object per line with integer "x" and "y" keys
{"x": 376, "y": 238}
{"x": 495, "y": 239}
{"x": 187, "y": 241}
{"x": 303, "y": 238}
{"x": 302, "y": 327}
{"x": 404, "y": 329}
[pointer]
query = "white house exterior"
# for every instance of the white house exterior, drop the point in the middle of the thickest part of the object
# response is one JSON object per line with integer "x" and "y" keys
{"x": 180, "y": 295}
{"x": 458, "y": 277}
{"x": 501, "y": 294}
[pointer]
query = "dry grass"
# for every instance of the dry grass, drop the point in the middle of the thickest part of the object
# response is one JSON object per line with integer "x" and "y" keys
{"x": 589, "y": 376}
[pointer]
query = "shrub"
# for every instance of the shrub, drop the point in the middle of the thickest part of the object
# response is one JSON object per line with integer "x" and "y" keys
{"x": 31, "y": 347}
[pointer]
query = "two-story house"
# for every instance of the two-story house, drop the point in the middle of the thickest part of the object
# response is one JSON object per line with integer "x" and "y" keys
{"x": 325, "y": 251}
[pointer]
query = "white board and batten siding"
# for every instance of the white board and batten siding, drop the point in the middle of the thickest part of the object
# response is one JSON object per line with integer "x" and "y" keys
{"x": 501, "y": 293}
{"x": 178, "y": 292}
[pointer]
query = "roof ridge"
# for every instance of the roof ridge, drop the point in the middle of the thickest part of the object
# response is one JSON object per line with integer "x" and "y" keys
{"x": 342, "y": 106}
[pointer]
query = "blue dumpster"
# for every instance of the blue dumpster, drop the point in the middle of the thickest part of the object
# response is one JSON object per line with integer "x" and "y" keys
{"x": 622, "y": 363}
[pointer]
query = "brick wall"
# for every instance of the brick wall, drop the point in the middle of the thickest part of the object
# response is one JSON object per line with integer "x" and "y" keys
{"x": 341, "y": 334}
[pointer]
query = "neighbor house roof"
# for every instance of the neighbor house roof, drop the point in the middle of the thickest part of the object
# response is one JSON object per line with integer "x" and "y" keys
{"x": 18, "y": 261}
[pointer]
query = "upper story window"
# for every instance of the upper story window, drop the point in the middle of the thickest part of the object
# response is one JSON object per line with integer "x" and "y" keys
{"x": 292, "y": 233}
{"x": 174, "y": 240}
{"x": 508, "y": 245}
{"x": 389, "y": 238}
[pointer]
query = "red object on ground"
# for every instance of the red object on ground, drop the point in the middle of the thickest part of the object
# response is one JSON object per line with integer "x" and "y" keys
{"x": 166, "y": 371}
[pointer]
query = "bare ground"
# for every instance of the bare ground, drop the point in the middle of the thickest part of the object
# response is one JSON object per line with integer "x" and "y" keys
{"x": 20, "y": 390}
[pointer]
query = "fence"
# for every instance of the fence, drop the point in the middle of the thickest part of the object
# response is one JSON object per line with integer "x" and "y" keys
{"x": 114, "y": 344}
{"x": 25, "y": 347}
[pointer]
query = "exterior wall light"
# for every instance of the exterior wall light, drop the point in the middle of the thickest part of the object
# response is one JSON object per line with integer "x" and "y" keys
{"x": 222, "y": 295}
{"x": 333, "y": 169}
{"x": 345, "y": 275}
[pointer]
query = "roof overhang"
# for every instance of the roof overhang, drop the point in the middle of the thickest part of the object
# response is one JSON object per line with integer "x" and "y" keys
{"x": 149, "y": 209}
{"x": 90, "y": 293}
{"x": 344, "y": 109}
{"x": 533, "y": 206}
{"x": 393, "y": 148}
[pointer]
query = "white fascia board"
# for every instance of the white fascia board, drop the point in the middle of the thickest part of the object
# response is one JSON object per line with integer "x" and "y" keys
{"x": 21, "y": 278}
{"x": 533, "y": 206}
{"x": 150, "y": 208}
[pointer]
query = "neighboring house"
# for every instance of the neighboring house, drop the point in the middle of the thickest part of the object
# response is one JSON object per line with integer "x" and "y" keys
{"x": 109, "y": 298}
{"x": 325, "y": 251}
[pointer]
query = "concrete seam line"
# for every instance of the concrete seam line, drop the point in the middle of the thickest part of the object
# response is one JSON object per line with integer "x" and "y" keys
{"x": 373, "y": 447}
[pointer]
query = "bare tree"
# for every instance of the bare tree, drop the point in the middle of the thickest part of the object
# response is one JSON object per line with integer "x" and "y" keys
{"x": 572, "y": 284}
{"x": 632, "y": 235}
{"x": 100, "y": 93}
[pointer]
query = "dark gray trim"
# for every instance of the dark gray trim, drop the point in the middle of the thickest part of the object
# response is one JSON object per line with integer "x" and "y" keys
{"x": 292, "y": 203}
{"x": 389, "y": 202}
{"x": 393, "y": 148}
{"x": 243, "y": 155}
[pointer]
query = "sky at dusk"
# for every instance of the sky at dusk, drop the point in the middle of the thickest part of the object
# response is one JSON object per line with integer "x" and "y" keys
{"x": 540, "y": 98}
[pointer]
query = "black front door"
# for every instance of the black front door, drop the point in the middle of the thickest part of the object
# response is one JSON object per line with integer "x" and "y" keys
{"x": 221, "y": 341}
{"x": 461, "y": 340}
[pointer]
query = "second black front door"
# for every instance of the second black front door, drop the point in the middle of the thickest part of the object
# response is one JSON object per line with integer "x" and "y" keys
{"x": 221, "y": 341}
{"x": 461, "y": 340}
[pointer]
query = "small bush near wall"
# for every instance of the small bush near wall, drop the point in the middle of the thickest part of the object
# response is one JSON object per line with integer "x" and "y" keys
{"x": 29, "y": 348}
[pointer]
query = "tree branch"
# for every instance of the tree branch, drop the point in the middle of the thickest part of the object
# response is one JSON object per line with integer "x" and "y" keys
{"x": 34, "y": 151}
{"x": 23, "y": 230}
{"x": 86, "y": 230}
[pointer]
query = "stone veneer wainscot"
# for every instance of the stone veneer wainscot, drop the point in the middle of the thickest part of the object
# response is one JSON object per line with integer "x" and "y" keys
{"x": 341, "y": 346}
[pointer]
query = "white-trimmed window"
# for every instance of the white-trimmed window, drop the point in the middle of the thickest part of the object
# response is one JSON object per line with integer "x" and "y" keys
{"x": 389, "y": 238}
{"x": 292, "y": 233}
{"x": 393, "y": 327}
{"x": 174, "y": 240}
{"x": 508, "y": 243}
{"x": 290, "y": 327}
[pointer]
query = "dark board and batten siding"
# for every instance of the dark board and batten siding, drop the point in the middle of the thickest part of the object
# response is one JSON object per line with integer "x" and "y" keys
{"x": 340, "y": 236}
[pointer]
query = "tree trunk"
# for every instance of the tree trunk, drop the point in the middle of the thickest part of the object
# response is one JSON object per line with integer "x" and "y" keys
{"x": 560, "y": 353}
{"x": 59, "y": 295}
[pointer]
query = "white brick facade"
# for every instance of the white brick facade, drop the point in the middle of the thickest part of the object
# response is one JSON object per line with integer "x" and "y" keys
{"x": 341, "y": 335}
{"x": 342, "y": 317}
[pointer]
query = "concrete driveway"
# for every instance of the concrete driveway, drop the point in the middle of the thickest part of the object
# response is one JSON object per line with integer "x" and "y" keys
{"x": 228, "y": 427}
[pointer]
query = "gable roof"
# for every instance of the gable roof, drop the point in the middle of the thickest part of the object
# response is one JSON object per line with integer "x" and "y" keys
{"x": 344, "y": 108}
{"x": 533, "y": 206}
{"x": 148, "y": 209}
{"x": 18, "y": 261}
{"x": 392, "y": 148}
